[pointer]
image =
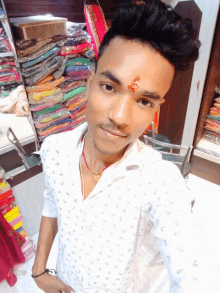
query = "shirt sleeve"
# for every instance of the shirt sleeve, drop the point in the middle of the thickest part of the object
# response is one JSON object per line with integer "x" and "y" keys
{"x": 176, "y": 230}
{"x": 49, "y": 207}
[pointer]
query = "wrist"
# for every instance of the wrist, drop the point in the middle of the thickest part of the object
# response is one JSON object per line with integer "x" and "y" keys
{"x": 38, "y": 269}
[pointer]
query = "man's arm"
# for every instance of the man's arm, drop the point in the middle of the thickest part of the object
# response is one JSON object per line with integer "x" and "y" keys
{"x": 48, "y": 231}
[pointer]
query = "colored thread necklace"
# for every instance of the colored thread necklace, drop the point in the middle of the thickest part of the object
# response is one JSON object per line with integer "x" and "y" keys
{"x": 97, "y": 175}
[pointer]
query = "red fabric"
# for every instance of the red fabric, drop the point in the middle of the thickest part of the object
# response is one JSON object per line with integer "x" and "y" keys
{"x": 6, "y": 194}
{"x": 8, "y": 208}
{"x": 96, "y": 25}
{"x": 6, "y": 201}
{"x": 10, "y": 251}
{"x": 76, "y": 49}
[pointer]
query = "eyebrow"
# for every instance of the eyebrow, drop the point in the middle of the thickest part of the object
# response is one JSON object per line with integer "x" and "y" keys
{"x": 152, "y": 95}
{"x": 109, "y": 75}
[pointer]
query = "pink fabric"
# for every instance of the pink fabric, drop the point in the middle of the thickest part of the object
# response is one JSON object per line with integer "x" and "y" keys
{"x": 16, "y": 221}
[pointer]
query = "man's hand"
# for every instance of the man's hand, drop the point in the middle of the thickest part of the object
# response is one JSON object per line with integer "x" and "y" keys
{"x": 51, "y": 284}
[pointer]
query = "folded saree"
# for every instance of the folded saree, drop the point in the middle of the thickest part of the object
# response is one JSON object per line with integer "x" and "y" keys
{"x": 78, "y": 108}
{"x": 73, "y": 85}
{"x": 54, "y": 128}
{"x": 27, "y": 51}
{"x": 14, "y": 213}
{"x": 46, "y": 79}
{"x": 55, "y": 123}
{"x": 41, "y": 58}
{"x": 8, "y": 208}
{"x": 49, "y": 117}
{"x": 79, "y": 61}
{"x": 77, "y": 73}
{"x": 51, "y": 66}
{"x": 35, "y": 69}
{"x": 80, "y": 102}
{"x": 89, "y": 54}
{"x": 75, "y": 99}
{"x": 45, "y": 86}
{"x": 75, "y": 49}
{"x": 49, "y": 99}
{"x": 48, "y": 110}
{"x": 41, "y": 107}
{"x": 4, "y": 187}
{"x": 60, "y": 70}
{"x": 78, "y": 114}
{"x": 43, "y": 94}
{"x": 16, "y": 221}
{"x": 5, "y": 194}
{"x": 6, "y": 201}
{"x": 43, "y": 125}
{"x": 78, "y": 38}
{"x": 63, "y": 128}
{"x": 72, "y": 93}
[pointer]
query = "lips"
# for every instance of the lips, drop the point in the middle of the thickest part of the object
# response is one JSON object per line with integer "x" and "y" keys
{"x": 114, "y": 133}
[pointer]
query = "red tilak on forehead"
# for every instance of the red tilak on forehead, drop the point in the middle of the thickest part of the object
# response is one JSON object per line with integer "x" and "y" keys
{"x": 134, "y": 85}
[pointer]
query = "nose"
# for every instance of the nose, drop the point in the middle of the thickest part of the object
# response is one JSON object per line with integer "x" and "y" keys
{"x": 120, "y": 112}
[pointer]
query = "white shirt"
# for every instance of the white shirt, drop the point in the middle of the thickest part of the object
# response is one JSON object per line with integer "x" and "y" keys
{"x": 100, "y": 238}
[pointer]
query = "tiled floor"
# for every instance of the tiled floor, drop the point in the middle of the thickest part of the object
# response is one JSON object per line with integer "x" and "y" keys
{"x": 207, "y": 213}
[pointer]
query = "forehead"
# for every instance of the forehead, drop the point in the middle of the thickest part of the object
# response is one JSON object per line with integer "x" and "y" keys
{"x": 130, "y": 59}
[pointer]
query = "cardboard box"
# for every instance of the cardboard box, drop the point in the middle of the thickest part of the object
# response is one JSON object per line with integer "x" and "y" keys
{"x": 40, "y": 26}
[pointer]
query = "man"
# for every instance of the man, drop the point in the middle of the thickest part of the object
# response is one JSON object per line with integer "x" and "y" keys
{"x": 103, "y": 185}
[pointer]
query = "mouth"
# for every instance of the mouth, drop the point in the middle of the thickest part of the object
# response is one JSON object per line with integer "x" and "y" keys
{"x": 114, "y": 134}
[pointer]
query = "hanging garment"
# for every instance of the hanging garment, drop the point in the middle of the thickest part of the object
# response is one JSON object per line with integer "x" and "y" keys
{"x": 10, "y": 251}
{"x": 96, "y": 25}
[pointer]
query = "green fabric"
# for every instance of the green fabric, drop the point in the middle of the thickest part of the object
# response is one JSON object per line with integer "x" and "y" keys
{"x": 78, "y": 61}
{"x": 73, "y": 93}
{"x": 48, "y": 110}
{"x": 214, "y": 117}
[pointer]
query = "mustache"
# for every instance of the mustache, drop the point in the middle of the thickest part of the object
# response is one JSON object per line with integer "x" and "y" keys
{"x": 112, "y": 129}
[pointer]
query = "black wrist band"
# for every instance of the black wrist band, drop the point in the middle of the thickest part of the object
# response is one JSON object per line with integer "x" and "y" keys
{"x": 47, "y": 271}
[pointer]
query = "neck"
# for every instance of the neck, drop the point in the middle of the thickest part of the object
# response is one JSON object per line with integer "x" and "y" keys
{"x": 96, "y": 159}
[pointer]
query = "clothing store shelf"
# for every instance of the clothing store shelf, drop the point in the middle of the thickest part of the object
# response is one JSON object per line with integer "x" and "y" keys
{"x": 6, "y": 54}
{"x": 21, "y": 128}
{"x": 208, "y": 151}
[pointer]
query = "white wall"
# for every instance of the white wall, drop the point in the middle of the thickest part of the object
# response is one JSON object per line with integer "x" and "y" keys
{"x": 29, "y": 198}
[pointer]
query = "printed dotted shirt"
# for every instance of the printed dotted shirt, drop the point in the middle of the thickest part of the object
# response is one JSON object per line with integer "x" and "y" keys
{"x": 100, "y": 238}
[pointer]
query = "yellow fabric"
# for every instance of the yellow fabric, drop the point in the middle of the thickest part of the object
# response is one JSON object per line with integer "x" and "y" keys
{"x": 23, "y": 233}
{"x": 18, "y": 225}
{"x": 3, "y": 184}
{"x": 13, "y": 214}
{"x": 39, "y": 95}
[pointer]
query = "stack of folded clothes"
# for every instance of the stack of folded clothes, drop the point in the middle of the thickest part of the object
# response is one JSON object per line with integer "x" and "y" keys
{"x": 55, "y": 72}
{"x": 11, "y": 213}
{"x": 212, "y": 122}
{"x": 10, "y": 77}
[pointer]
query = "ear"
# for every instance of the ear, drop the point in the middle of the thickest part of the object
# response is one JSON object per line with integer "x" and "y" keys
{"x": 90, "y": 78}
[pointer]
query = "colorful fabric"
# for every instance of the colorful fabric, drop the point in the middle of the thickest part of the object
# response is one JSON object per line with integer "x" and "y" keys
{"x": 11, "y": 78}
{"x": 24, "y": 44}
{"x": 79, "y": 61}
{"x": 41, "y": 58}
{"x": 35, "y": 69}
{"x": 10, "y": 251}
{"x": 47, "y": 86}
{"x": 74, "y": 99}
{"x": 43, "y": 125}
{"x": 80, "y": 102}
{"x": 79, "y": 114}
{"x": 55, "y": 128}
{"x": 59, "y": 72}
{"x": 61, "y": 129}
{"x": 6, "y": 201}
{"x": 16, "y": 221}
{"x": 39, "y": 95}
{"x": 79, "y": 38}
{"x": 55, "y": 123}
{"x": 217, "y": 118}
{"x": 73, "y": 85}
{"x": 41, "y": 107}
{"x": 78, "y": 108}
{"x": 5, "y": 194}
{"x": 50, "y": 116}
{"x": 75, "y": 49}
{"x": 49, "y": 99}
{"x": 48, "y": 110}
{"x": 46, "y": 79}
{"x": 5, "y": 188}
{"x": 96, "y": 25}
{"x": 14, "y": 213}
{"x": 51, "y": 66}
{"x": 72, "y": 93}
{"x": 77, "y": 73}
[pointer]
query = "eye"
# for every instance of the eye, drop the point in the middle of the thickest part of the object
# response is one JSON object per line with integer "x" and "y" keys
{"x": 108, "y": 87}
{"x": 146, "y": 103}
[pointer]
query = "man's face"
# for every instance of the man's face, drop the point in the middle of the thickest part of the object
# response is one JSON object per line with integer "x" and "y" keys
{"x": 116, "y": 115}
